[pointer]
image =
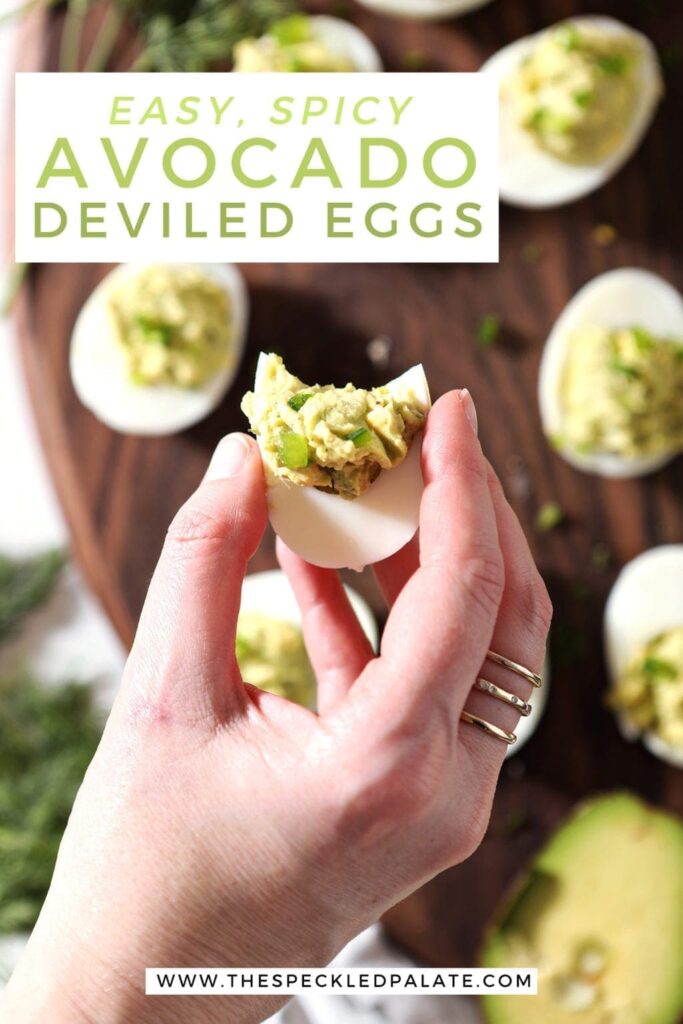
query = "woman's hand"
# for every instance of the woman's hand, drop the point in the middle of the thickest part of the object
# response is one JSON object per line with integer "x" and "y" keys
{"x": 219, "y": 825}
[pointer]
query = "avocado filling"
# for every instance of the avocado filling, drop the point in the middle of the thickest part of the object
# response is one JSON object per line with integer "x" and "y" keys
{"x": 577, "y": 91}
{"x": 650, "y": 691}
{"x": 335, "y": 439}
{"x": 622, "y": 393}
{"x": 289, "y": 45}
{"x": 174, "y": 324}
{"x": 272, "y": 656}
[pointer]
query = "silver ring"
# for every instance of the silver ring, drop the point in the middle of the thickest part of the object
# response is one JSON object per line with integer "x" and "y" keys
{"x": 485, "y": 686}
{"x": 489, "y": 728}
{"x": 520, "y": 670}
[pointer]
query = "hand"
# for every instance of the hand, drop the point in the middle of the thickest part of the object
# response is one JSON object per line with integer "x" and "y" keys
{"x": 219, "y": 825}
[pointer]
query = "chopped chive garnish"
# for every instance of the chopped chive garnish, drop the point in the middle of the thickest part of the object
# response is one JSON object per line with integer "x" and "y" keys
{"x": 297, "y": 402}
{"x": 360, "y": 437}
{"x": 488, "y": 330}
{"x": 293, "y": 451}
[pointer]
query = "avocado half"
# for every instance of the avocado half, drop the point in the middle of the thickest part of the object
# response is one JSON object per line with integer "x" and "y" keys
{"x": 600, "y": 914}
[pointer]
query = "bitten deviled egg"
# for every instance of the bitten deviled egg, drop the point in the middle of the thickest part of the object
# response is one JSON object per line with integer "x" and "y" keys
{"x": 304, "y": 43}
{"x": 270, "y": 647}
{"x": 644, "y": 649}
{"x": 576, "y": 101}
{"x": 432, "y": 9}
{"x": 156, "y": 347}
{"x": 342, "y": 464}
{"x": 611, "y": 379}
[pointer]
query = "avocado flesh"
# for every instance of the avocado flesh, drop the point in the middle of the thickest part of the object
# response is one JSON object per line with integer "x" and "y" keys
{"x": 601, "y": 916}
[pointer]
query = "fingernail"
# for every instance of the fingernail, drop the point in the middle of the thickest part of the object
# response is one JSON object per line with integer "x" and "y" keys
{"x": 470, "y": 410}
{"x": 228, "y": 458}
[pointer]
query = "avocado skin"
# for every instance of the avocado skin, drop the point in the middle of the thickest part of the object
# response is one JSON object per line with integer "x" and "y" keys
{"x": 542, "y": 878}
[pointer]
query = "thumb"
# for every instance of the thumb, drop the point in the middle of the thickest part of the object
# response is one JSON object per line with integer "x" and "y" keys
{"x": 182, "y": 664}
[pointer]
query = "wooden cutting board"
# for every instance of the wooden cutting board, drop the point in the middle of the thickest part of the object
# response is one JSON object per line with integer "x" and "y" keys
{"x": 119, "y": 493}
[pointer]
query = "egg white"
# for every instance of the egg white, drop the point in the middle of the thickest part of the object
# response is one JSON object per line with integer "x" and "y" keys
{"x": 526, "y": 727}
{"x": 270, "y": 593}
{"x": 617, "y": 299}
{"x": 99, "y": 370}
{"x": 346, "y": 40}
{"x": 327, "y": 530}
{"x": 428, "y": 9}
{"x": 646, "y": 600}
{"x": 529, "y": 176}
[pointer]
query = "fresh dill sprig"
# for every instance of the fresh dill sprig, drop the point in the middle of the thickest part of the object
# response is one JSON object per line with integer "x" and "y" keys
{"x": 24, "y": 585}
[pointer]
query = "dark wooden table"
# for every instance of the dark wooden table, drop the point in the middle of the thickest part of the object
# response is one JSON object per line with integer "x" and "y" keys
{"x": 119, "y": 493}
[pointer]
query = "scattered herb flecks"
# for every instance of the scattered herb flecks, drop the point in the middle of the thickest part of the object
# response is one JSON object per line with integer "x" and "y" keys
{"x": 488, "y": 330}
{"x": 49, "y": 735}
{"x": 549, "y": 516}
{"x": 601, "y": 557}
{"x": 24, "y": 585}
{"x": 413, "y": 60}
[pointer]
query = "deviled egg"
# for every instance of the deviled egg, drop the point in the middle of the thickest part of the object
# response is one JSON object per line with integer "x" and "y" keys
{"x": 270, "y": 647}
{"x": 308, "y": 43}
{"x": 643, "y": 632}
{"x": 432, "y": 9}
{"x": 611, "y": 378}
{"x": 576, "y": 101}
{"x": 156, "y": 347}
{"x": 526, "y": 727}
{"x": 342, "y": 464}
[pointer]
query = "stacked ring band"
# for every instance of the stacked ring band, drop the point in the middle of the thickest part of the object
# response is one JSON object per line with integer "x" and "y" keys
{"x": 505, "y": 696}
{"x": 485, "y": 686}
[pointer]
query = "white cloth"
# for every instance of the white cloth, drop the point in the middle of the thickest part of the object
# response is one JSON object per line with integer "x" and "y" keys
{"x": 371, "y": 949}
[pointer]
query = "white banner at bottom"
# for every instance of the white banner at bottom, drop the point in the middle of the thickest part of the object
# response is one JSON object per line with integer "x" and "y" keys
{"x": 294, "y": 981}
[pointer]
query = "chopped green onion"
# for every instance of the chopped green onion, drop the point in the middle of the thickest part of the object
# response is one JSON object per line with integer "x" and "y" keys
{"x": 619, "y": 366}
{"x": 531, "y": 253}
{"x": 583, "y": 98}
{"x": 488, "y": 330}
{"x": 657, "y": 668}
{"x": 613, "y": 64}
{"x": 361, "y": 437}
{"x": 643, "y": 339}
{"x": 548, "y": 517}
{"x": 297, "y": 402}
{"x": 155, "y": 332}
{"x": 567, "y": 36}
{"x": 413, "y": 60}
{"x": 293, "y": 451}
{"x": 292, "y": 30}
{"x": 601, "y": 556}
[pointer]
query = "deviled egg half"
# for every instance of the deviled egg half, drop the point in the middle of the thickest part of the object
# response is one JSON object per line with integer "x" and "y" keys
{"x": 611, "y": 378}
{"x": 342, "y": 464}
{"x": 270, "y": 647}
{"x": 431, "y": 9}
{"x": 643, "y": 631}
{"x": 304, "y": 42}
{"x": 575, "y": 102}
{"x": 156, "y": 347}
{"x": 526, "y": 727}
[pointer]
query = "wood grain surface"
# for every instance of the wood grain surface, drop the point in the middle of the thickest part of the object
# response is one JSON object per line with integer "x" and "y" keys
{"x": 119, "y": 493}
